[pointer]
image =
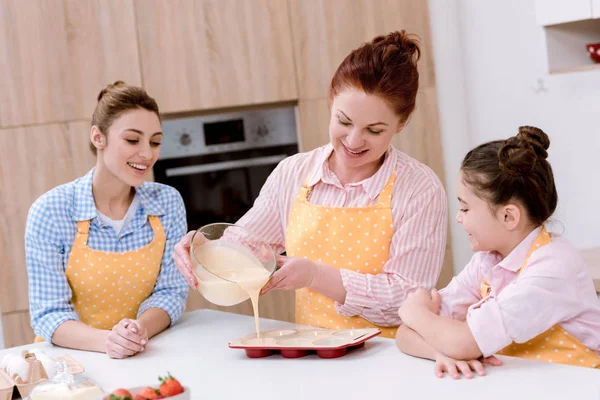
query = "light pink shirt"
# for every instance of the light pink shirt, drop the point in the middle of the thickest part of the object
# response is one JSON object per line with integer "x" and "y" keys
{"x": 420, "y": 217}
{"x": 554, "y": 288}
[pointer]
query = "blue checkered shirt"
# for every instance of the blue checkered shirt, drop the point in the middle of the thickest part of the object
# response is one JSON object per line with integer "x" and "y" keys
{"x": 50, "y": 232}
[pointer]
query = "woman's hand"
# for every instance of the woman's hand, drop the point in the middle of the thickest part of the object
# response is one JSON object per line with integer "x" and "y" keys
{"x": 126, "y": 339}
{"x": 455, "y": 367}
{"x": 295, "y": 273}
{"x": 418, "y": 302}
{"x": 181, "y": 256}
{"x": 138, "y": 328}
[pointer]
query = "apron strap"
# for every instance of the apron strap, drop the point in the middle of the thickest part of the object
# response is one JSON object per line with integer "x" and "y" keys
{"x": 305, "y": 190}
{"x": 385, "y": 196}
{"x": 159, "y": 232}
{"x": 83, "y": 229}
{"x": 543, "y": 239}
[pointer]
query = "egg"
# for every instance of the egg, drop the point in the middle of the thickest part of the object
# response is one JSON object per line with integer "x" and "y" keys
{"x": 5, "y": 360}
{"x": 48, "y": 364}
{"x": 18, "y": 365}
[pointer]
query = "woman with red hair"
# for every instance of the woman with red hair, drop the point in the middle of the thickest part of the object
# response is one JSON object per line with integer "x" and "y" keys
{"x": 362, "y": 224}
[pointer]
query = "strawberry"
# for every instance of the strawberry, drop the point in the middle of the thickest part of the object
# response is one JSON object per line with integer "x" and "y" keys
{"x": 169, "y": 386}
{"x": 120, "y": 394}
{"x": 148, "y": 393}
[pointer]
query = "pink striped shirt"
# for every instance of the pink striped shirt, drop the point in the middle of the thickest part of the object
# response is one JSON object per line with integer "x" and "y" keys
{"x": 420, "y": 215}
{"x": 554, "y": 288}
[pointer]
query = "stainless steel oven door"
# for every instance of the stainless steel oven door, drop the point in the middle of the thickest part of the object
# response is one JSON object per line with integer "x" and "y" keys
{"x": 220, "y": 187}
{"x": 225, "y": 165}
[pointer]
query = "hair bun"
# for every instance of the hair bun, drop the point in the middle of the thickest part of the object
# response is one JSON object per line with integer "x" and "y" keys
{"x": 405, "y": 42}
{"x": 519, "y": 154}
{"x": 537, "y": 138}
{"x": 110, "y": 88}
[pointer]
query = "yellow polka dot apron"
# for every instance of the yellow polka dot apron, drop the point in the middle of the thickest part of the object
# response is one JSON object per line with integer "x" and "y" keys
{"x": 108, "y": 286}
{"x": 355, "y": 238}
{"x": 555, "y": 345}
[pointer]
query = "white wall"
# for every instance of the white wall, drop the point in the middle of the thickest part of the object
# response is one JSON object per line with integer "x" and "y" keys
{"x": 498, "y": 53}
{"x": 451, "y": 95}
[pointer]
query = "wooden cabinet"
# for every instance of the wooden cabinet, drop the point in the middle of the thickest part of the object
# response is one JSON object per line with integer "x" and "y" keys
{"x": 420, "y": 139}
{"x": 57, "y": 55}
{"x": 551, "y": 12}
{"x": 203, "y": 54}
{"x": 313, "y": 123}
{"x": 17, "y": 329}
{"x": 325, "y": 31}
{"x": 33, "y": 160}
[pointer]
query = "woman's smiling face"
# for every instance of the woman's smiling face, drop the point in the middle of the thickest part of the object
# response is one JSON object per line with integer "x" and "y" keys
{"x": 361, "y": 129}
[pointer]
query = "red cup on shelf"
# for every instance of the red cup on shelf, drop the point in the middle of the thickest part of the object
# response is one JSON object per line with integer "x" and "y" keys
{"x": 594, "y": 51}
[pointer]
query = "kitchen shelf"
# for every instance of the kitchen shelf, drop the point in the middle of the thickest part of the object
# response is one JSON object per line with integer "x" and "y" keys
{"x": 566, "y": 46}
{"x": 575, "y": 69}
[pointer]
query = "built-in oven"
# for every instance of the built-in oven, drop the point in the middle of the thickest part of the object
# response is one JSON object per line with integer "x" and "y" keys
{"x": 220, "y": 162}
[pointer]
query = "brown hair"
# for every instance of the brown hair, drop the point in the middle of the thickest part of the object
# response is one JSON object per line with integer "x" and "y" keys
{"x": 116, "y": 99}
{"x": 514, "y": 169}
{"x": 386, "y": 67}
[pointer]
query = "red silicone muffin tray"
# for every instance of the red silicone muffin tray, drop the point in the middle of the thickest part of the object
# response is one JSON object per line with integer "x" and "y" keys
{"x": 295, "y": 343}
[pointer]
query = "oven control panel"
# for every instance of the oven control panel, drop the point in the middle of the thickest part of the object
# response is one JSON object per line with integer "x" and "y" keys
{"x": 223, "y": 133}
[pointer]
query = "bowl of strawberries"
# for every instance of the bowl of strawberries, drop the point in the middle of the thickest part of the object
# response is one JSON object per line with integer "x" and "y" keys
{"x": 168, "y": 388}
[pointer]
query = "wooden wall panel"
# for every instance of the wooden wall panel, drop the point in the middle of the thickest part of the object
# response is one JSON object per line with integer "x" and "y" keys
{"x": 57, "y": 55}
{"x": 33, "y": 160}
{"x": 17, "y": 329}
{"x": 204, "y": 54}
{"x": 325, "y": 31}
{"x": 313, "y": 123}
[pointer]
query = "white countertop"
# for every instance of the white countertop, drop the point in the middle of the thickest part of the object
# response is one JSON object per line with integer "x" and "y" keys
{"x": 196, "y": 352}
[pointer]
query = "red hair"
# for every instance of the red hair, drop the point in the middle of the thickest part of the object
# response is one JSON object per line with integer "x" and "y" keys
{"x": 385, "y": 67}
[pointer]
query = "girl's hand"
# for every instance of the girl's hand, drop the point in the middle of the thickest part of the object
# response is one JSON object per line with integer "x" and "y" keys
{"x": 295, "y": 273}
{"x": 126, "y": 339}
{"x": 181, "y": 256}
{"x": 455, "y": 367}
{"x": 418, "y": 302}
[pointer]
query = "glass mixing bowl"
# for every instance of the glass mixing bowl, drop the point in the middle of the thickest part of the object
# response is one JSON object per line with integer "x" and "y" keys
{"x": 218, "y": 251}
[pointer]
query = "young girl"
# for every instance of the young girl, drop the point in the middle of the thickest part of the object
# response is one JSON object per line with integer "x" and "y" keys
{"x": 99, "y": 249}
{"x": 526, "y": 292}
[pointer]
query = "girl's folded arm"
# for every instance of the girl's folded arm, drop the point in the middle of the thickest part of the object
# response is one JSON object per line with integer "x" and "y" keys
{"x": 411, "y": 343}
{"x": 448, "y": 336}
